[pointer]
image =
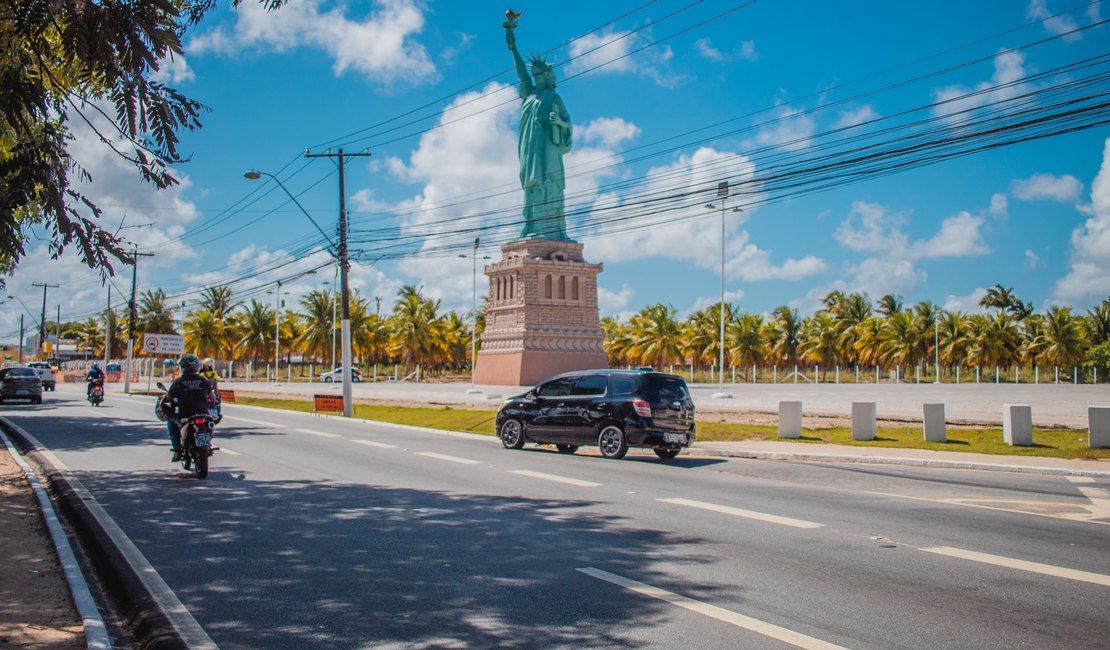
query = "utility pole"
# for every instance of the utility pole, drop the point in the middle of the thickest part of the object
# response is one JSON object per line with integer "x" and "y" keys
{"x": 132, "y": 314}
{"x": 343, "y": 268}
{"x": 108, "y": 328}
{"x": 277, "y": 332}
{"x": 58, "y": 334}
{"x": 42, "y": 321}
{"x": 21, "y": 339}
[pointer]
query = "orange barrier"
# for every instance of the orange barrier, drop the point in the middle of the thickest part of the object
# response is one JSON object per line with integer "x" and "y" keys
{"x": 227, "y": 396}
{"x": 328, "y": 402}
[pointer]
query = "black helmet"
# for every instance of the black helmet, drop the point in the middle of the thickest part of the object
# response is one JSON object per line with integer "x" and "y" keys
{"x": 190, "y": 364}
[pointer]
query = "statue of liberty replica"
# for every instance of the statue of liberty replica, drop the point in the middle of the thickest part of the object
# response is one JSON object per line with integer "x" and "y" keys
{"x": 544, "y": 138}
{"x": 541, "y": 311}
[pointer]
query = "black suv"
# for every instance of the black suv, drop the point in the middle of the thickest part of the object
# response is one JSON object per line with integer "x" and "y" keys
{"x": 614, "y": 409}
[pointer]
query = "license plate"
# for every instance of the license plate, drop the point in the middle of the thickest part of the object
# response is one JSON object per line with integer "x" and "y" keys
{"x": 203, "y": 439}
{"x": 680, "y": 438}
{"x": 22, "y": 392}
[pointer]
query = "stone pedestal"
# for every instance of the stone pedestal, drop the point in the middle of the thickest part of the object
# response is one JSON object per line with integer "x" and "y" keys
{"x": 541, "y": 317}
{"x": 790, "y": 420}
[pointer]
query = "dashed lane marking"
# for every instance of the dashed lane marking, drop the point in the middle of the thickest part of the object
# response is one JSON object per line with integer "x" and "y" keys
{"x": 739, "y": 620}
{"x": 1024, "y": 565}
{"x": 372, "y": 443}
{"x": 453, "y": 459}
{"x": 553, "y": 477}
{"x": 322, "y": 434}
{"x": 225, "y": 450}
{"x": 749, "y": 514}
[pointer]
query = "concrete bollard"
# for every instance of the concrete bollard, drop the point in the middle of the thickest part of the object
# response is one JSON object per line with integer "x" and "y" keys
{"x": 1098, "y": 426}
{"x": 863, "y": 420}
{"x": 934, "y": 424}
{"x": 790, "y": 419}
{"x": 1017, "y": 425}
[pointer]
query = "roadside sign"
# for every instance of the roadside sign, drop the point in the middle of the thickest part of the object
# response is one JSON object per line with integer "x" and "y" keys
{"x": 164, "y": 343}
{"x": 328, "y": 402}
{"x": 227, "y": 396}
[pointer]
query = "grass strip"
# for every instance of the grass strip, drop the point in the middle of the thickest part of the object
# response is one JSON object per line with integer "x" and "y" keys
{"x": 1054, "y": 443}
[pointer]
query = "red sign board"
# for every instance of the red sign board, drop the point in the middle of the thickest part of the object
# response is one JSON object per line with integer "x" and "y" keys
{"x": 227, "y": 396}
{"x": 328, "y": 402}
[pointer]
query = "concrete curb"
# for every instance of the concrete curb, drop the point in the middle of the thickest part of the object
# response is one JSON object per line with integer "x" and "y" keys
{"x": 151, "y": 626}
{"x": 897, "y": 460}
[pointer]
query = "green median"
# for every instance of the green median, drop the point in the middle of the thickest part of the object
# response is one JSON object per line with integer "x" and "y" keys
{"x": 1056, "y": 443}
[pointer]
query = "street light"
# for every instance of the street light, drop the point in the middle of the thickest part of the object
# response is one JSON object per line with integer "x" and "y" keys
{"x": 474, "y": 312}
{"x": 277, "y": 331}
{"x": 722, "y": 194}
{"x": 339, "y": 251}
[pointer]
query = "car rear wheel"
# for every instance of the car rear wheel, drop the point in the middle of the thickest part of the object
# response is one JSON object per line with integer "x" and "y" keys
{"x": 666, "y": 454}
{"x": 612, "y": 442}
{"x": 567, "y": 449}
{"x": 327, "y": 380}
{"x": 512, "y": 434}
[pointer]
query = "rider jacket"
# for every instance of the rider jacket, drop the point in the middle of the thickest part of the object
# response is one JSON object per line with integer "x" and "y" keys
{"x": 191, "y": 394}
{"x": 95, "y": 375}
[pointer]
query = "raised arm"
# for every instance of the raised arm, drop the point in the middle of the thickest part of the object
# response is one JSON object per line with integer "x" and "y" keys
{"x": 525, "y": 88}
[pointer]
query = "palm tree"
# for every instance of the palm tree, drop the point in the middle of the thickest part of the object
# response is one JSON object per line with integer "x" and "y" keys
{"x": 901, "y": 343}
{"x": 154, "y": 314}
{"x": 616, "y": 341}
{"x": 656, "y": 336}
{"x": 90, "y": 337}
{"x": 955, "y": 337}
{"x": 292, "y": 328}
{"x": 998, "y": 297}
{"x": 889, "y": 305}
{"x": 996, "y": 342}
{"x": 254, "y": 331}
{"x": 927, "y": 313}
{"x": 1097, "y": 323}
{"x": 205, "y": 334}
{"x": 786, "y": 333}
{"x": 412, "y": 326}
{"x": 218, "y": 301}
{"x": 702, "y": 333}
{"x": 1063, "y": 336}
{"x": 319, "y": 327}
{"x": 746, "y": 340}
{"x": 1032, "y": 340}
{"x": 820, "y": 342}
{"x": 869, "y": 341}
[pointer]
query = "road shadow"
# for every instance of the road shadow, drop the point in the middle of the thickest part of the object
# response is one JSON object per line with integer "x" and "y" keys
{"x": 296, "y": 564}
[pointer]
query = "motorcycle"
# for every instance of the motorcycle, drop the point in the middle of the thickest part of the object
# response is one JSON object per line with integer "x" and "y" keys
{"x": 96, "y": 394}
{"x": 196, "y": 437}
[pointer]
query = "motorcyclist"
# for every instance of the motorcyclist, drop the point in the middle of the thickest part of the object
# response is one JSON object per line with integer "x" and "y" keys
{"x": 208, "y": 371}
{"x": 94, "y": 377}
{"x": 189, "y": 395}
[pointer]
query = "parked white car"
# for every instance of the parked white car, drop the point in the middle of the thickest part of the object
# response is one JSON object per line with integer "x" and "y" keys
{"x": 45, "y": 373}
{"x": 337, "y": 375}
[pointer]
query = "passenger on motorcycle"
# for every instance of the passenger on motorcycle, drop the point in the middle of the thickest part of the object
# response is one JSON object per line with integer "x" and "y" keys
{"x": 94, "y": 377}
{"x": 189, "y": 395}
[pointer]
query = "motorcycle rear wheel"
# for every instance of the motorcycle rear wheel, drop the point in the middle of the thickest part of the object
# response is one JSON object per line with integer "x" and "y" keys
{"x": 200, "y": 455}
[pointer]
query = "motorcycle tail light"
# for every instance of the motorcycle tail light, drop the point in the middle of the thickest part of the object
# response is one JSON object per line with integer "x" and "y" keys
{"x": 198, "y": 421}
{"x": 643, "y": 409}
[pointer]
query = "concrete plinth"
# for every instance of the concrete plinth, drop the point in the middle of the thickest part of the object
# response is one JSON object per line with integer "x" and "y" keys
{"x": 1098, "y": 426}
{"x": 934, "y": 424}
{"x": 790, "y": 420}
{"x": 863, "y": 420}
{"x": 1017, "y": 425}
{"x": 541, "y": 315}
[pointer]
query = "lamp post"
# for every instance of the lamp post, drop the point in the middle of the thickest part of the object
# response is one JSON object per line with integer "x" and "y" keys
{"x": 936, "y": 348}
{"x": 277, "y": 331}
{"x": 722, "y": 194}
{"x": 474, "y": 312}
{"x": 340, "y": 253}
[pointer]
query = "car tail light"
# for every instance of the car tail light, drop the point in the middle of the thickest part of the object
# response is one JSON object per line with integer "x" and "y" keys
{"x": 643, "y": 409}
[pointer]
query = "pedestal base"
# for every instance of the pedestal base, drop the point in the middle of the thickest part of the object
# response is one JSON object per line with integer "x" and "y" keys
{"x": 528, "y": 367}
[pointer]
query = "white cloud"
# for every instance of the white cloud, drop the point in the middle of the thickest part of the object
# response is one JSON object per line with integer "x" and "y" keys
{"x": 745, "y": 51}
{"x": 615, "y": 303}
{"x": 1031, "y": 259}
{"x": 968, "y": 303}
{"x": 679, "y": 230}
{"x": 879, "y": 231}
{"x": 1088, "y": 278}
{"x": 173, "y": 70}
{"x": 1009, "y": 68}
{"x": 790, "y": 130}
{"x": 855, "y": 118}
{"x": 999, "y": 205}
{"x": 608, "y": 131}
{"x": 381, "y": 47}
{"x": 733, "y": 298}
{"x": 1038, "y": 10}
{"x": 1064, "y": 189}
{"x": 612, "y": 53}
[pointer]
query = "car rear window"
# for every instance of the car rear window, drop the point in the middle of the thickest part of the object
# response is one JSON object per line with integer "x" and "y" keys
{"x": 625, "y": 385}
{"x": 666, "y": 389}
{"x": 17, "y": 372}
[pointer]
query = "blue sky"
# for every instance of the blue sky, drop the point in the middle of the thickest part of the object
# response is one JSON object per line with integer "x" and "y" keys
{"x": 665, "y": 98}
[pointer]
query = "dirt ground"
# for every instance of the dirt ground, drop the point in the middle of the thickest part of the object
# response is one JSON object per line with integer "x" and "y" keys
{"x": 36, "y": 609}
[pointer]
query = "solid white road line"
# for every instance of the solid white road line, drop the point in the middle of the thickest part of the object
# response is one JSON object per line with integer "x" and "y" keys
{"x": 1100, "y": 501}
{"x": 1024, "y": 565}
{"x": 250, "y": 421}
{"x": 372, "y": 443}
{"x": 453, "y": 459}
{"x": 322, "y": 434}
{"x": 1081, "y": 479}
{"x": 739, "y": 620}
{"x": 553, "y": 477}
{"x": 225, "y": 450}
{"x": 749, "y": 514}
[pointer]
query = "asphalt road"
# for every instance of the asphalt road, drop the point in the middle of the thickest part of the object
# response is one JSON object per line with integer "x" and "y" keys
{"x": 316, "y": 532}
